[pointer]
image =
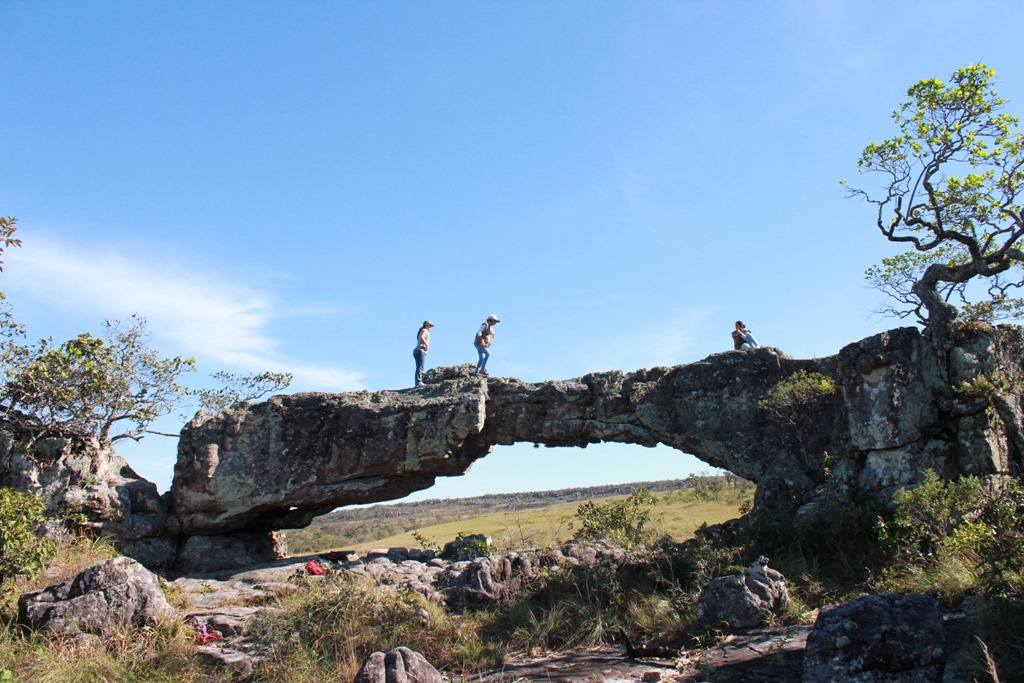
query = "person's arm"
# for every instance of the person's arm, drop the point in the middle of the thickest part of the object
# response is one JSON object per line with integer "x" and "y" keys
{"x": 424, "y": 339}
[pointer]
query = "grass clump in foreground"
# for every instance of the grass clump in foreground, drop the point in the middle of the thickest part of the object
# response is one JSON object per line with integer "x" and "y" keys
{"x": 329, "y": 629}
{"x": 165, "y": 652}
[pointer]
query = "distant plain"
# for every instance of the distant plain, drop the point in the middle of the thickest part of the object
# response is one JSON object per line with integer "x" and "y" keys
{"x": 523, "y": 520}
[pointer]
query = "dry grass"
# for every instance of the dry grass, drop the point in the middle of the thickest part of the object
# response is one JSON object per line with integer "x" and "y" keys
{"x": 329, "y": 630}
{"x": 678, "y": 514}
{"x": 166, "y": 652}
{"x": 74, "y": 555}
{"x": 163, "y": 653}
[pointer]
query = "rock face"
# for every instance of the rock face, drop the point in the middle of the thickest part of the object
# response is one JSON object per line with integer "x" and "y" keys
{"x": 105, "y": 597}
{"x": 79, "y": 475}
{"x": 888, "y": 637}
{"x": 278, "y": 464}
{"x": 902, "y": 405}
{"x": 743, "y": 600}
{"x": 401, "y": 665}
{"x": 895, "y": 413}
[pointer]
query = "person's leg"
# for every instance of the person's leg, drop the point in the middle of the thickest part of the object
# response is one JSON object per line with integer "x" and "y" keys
{"x": 418, "y": 355}
{"x": 483, "y": 354}
{"x": 750, "y": 340}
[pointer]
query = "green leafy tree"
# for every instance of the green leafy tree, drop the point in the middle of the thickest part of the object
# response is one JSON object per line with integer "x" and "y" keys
{"x": 112, "y": 387}
{"x": 8, "y": 226}
{"x": 705, "y": 486}
{"x": 9, "y": 328}
{"x": 237, "y": 389}
{"x": 950, "y": 191}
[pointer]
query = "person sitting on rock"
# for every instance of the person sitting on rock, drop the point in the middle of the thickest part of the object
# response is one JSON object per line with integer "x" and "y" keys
{"x": 742, "y": 338}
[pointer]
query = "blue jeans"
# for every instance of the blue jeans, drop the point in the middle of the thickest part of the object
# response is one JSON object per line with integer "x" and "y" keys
{"x": 420, "y": 357}
{"x": 749, "y": 341}
{"x": 484, "y": 354}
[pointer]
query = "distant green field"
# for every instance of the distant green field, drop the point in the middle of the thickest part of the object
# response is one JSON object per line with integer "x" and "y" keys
{"x": 677, "y": 514}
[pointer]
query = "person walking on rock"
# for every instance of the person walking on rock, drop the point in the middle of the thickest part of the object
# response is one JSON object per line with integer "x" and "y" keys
{"x": 420, "y": 352}
{"x": 482, "y": 342}
{"x": 742, "y": 338}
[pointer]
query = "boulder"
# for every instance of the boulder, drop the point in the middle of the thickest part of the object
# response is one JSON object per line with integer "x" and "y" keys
{"x": 887, "y": 637}
{"x": 466, "y": 547}
{"x": 84, "y": 476}
{"x": 401, "y": 665}
{"x": 743, "y": 600}
{"x": 105, "y": 597}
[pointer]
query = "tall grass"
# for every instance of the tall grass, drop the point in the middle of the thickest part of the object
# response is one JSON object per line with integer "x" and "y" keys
{"x": 996, "y": 652}
{"x": 162, "y": 653}
{"x": 329, "y": 629}
{"x": 165, "y": 652}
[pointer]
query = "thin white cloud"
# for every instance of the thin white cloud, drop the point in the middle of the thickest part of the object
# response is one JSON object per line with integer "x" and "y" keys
{"x": 668, "y": 342}
{"x": 202, "y": 314}
{"x": 631, "y": 188}
{"x": 323, "y": 378}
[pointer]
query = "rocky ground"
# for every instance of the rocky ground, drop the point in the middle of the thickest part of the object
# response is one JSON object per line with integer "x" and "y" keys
{"x": 219, "y": 605}
{"x": 765, "y": 654}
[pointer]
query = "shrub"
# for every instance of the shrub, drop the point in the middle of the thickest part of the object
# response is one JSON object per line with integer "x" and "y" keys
{"x": 165, "y": 653}
{"x": 933, "y": 516}
{"x": 1002, "y": 550}
{"x": 799, "y": 389}
{"x": 620, "y": 521}
{"x": 791, "y": 400}
{"x": 939, "y": 527}
{"x": 22, "y": 551}
{"x": 588, "y": 605}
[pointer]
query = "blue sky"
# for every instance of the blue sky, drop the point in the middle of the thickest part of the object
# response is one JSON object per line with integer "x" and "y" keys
{"x": 296, "y": 186}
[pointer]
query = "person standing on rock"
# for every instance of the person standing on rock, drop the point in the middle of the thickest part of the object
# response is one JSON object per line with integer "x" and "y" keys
{"x": 482, "y": 342}
{"x": 420, "y": 352}
{"x": 742, "y": 338}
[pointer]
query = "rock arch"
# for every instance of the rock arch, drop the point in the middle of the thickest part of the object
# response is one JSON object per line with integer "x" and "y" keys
{"x": 245, "y": 473}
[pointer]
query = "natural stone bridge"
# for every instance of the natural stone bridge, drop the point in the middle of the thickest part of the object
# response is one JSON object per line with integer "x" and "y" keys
{"x": 901, "y": 406}
{"x": 278, "y": 464}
